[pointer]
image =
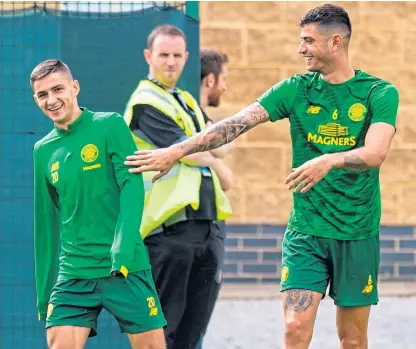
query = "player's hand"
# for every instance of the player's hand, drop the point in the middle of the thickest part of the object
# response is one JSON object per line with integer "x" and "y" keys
{"x": 160, "y": 160}
{"x": 311, "y": 172}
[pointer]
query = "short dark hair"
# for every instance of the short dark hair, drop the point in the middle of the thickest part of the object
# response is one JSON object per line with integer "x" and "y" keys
{"x": 164, "y": 29}
{"x": 328, "y": 15}
{"x": 48, "y": 67}
{"x": 212, "y": 61}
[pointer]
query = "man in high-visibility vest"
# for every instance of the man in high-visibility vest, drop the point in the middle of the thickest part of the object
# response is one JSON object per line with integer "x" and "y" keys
{"x": 214, "y": 82}
{"x": 180, "y": 214}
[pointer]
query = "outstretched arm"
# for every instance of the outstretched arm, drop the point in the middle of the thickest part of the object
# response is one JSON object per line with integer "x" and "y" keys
{"x": 221, "y": 152}
{"x": 213, "y": 137}
{"x": 161, "y": 131}
{"x": 224, "y": 131}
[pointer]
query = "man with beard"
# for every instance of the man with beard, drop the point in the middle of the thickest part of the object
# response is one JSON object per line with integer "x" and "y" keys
{"x": 214, "y": 82}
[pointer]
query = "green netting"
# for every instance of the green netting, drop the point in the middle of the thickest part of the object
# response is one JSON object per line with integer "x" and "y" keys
{"x": 103, "y": 44}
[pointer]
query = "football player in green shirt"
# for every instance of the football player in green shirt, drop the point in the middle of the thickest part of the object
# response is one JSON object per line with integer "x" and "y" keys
{"x": 88, "y": 209}
{"x": 342, "y": 122}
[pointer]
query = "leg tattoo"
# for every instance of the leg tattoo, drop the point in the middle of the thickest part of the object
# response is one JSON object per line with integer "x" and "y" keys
{"x": 298, "y": 300}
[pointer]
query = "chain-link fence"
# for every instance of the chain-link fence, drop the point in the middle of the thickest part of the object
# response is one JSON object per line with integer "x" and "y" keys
{"x": 102, "y": 42}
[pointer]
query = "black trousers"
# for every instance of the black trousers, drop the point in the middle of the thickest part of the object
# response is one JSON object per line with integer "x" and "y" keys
{"x": 184, "y": 261}
{"x": 219, "y": 245}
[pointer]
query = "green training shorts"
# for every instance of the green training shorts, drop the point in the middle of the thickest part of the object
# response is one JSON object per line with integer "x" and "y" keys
{"x": 133, "y": 301}
{"x": 349, "y": 267}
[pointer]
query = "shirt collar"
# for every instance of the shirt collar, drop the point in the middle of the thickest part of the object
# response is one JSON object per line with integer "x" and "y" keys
{"x": 152, "y": 79}
{"x": 76, "y": 124}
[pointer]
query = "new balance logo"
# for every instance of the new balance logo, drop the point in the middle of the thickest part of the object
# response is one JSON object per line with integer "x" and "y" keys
{"x": 369, "y": 287}
{"x": 313, "y": 109}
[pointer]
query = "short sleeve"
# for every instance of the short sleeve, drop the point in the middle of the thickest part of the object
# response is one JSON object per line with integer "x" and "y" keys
{"x": 384, "y": 104}
{"x": 279, "y": 99}
{"x": 161, "y": 129}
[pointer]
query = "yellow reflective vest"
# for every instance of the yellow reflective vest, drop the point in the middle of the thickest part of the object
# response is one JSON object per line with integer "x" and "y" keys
{"x": 166, "y": 199}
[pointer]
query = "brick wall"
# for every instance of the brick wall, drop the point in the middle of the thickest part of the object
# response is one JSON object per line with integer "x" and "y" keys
{"x": 253, "y": 253}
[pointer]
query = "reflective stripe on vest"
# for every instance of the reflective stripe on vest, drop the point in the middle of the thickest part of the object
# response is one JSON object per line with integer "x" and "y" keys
{"x": 172, "y": 173}
{"x": 140, "y": 134}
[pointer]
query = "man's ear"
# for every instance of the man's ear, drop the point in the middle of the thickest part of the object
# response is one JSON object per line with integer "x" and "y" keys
{"x": 35, "y": 98}
{"x": 147, "y": 56}
{"x": 76, "y": 87}
{"x": 336, "y": 42}
{"x": 210, "y": 80}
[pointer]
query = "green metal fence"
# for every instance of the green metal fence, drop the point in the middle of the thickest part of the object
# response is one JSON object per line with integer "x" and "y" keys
{"x": 103, "y": 44}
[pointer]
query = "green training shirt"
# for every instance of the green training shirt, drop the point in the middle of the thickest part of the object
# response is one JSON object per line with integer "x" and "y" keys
{"x": 326, "y": 118}
{"x": 88, "y": 206}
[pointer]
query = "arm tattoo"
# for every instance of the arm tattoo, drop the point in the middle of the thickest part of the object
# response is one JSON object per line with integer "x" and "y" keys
{"x": 355, "y": 163}
{"x": 298, "y": 300}
{"x": 226, "y": 130}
